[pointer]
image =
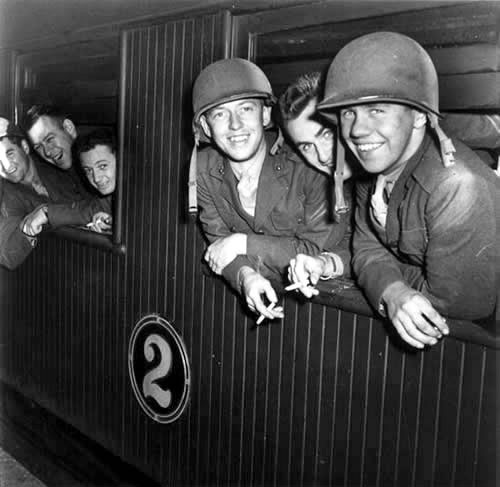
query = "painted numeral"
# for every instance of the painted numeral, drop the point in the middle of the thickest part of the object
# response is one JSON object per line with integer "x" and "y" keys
{"x": 149, "y": 388}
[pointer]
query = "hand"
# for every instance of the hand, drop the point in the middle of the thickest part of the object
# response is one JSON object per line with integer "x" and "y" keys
{"x": 34, "y": 221}
{"x": 413, "y": 316}
{"x": 101, "y": 222}
{"x": 253, "y": 286}
{"x": 307, "y": 270}
{"x": 224, "y": 250}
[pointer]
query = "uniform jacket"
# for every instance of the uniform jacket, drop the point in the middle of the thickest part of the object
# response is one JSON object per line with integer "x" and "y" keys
{"x": 18, "y": 200}
{"x": 292, "y": 213}
{"x": 14, "y": 245}
{"x": 440, "y": 236}
{"x": 78, "y": 212}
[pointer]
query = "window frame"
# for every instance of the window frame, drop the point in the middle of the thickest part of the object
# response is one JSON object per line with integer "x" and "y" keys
{"x": 22, "y": 73}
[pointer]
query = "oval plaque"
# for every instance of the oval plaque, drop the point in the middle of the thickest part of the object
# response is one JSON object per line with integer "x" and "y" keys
{"x": 159, "y": 369}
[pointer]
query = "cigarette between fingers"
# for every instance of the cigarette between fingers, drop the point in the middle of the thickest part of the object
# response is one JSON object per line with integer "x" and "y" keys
{"x": 261, "y": 317}
{"x": 295, "y": 285}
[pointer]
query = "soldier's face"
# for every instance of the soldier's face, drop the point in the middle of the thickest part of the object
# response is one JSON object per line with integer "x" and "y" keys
{"x": 14, "y": 160}
{"x": 382, "y": 135}
{"x": 99, "y": 165}
{"x": 237, "y": 128}
{"x": 52, "y": 140}
{"x": 314, "y": 139}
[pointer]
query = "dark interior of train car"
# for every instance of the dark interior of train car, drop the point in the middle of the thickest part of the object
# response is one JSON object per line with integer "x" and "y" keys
{"x": 126, "y": 361}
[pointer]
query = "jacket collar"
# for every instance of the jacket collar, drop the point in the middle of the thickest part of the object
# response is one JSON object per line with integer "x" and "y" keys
{"x": 273, "y": 182}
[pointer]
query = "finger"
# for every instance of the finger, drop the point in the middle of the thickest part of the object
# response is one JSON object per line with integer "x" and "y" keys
{"x": 262, "y": 309}
{"x": 423, "y": 315}
{"x": 437, "y": 320}
{"x": 309, "y": 291}
{"x": 412, "y": 330}
{"x": 421, "y": 324}
{"x": 406, "y": 337}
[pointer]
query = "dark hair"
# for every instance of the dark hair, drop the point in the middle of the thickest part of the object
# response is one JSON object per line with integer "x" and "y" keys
{"x": 299, "y": 94}
{"x": 15, "y": 139}
{"x": 37, "y": 111}
{"x": 84, "y": 143}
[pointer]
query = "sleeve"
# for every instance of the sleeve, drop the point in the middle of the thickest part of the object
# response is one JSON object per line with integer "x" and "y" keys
{"x": 76, "y": 212}
{"x": 15, "y": 246}
{"x": 214, "y": 227}
{"x": 312, "y": 232}
{"x": 478, "y": 131}
{"x": 460, "y": 270}
{"x": 374, "y": 265}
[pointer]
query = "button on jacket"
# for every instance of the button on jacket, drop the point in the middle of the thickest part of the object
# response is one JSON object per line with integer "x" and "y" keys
{"x": 440, "y": 237}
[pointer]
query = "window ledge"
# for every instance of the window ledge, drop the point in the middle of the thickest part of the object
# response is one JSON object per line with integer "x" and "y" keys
{"x": 89, "y": 238}
{"x": 345, "y": 295}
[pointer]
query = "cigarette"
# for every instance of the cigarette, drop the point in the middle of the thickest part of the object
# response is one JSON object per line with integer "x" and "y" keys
{"x": 294, "y": 286}
{"x": 262, "y": 317}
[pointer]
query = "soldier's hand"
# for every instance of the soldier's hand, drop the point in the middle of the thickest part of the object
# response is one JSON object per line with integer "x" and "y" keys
{"x": 33, "y": 222}
{"x": 254, "y": 287}
{"x": 224, "y": 250}
{"x": 413, "y": 315}
{"x": 306, "y": 270}
{"x": 101, "y": 222}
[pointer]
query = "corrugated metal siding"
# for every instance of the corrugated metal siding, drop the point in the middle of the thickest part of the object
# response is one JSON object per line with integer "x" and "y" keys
{"x": 324, "y": 398}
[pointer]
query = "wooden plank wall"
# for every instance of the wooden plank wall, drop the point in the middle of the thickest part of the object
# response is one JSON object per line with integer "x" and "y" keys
{"x": 6, "y": 88}
{"x": 323, "y": 398}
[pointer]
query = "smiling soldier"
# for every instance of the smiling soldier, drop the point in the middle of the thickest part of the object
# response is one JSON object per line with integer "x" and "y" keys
{"x": 425, "y": 243}
{"x": 260, "y": 204}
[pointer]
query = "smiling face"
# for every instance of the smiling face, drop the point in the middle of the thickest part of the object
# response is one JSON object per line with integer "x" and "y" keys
{"x": 52, "y": 140}
{"x": 382, "y": 135}
{"x": 99, "y": 165}
{"x": 14, "y": 160}
{"x": 237, "y": 128}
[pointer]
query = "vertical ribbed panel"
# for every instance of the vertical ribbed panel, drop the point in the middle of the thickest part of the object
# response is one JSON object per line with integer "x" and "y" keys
{"x": 322, "y": 398}
{"x": 6, "y": 88}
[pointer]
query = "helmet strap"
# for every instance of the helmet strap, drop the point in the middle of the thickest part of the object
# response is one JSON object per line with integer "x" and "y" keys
{"x": 192, "y": 185}
{"x": 338, "y": 179}
{"x": 445, "y": 143}
{"x": 278, "y": 143}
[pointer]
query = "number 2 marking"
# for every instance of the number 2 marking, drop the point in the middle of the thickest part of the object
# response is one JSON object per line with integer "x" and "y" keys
{"x": 149, "y": 388}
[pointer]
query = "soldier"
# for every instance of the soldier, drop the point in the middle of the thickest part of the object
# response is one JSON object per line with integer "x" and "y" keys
{"x": 27, "y": 184}
{"x": 425, "y": 239}
{"x": 259, "y": 205}
{"x": 97, "y": 154}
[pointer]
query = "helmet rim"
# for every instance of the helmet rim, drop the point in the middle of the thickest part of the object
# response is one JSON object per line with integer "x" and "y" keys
{"x": 330, "y": 103}
{"x": 234, "y": 97}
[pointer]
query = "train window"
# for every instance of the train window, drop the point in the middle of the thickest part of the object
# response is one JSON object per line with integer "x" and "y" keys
{"x": 81, "y": 79}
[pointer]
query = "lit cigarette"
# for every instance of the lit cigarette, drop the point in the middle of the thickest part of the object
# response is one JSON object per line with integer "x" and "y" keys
{"x": 262, "y": 317}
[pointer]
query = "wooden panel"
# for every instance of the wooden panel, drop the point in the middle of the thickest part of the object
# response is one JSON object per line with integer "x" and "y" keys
{"x": 6, "y": 85}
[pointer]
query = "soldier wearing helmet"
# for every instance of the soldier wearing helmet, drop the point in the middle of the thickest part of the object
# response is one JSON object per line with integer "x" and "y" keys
{"x": 259, "y": 205}
{"x": 425, "y": 234}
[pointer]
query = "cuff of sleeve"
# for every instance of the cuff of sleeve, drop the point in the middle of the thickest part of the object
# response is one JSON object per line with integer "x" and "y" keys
{"x": 337, "y": 265}
{"x": 231, "y": 271}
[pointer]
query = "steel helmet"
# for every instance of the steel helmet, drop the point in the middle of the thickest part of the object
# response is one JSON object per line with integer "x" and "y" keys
{"x": 229, "y": 80}
{"x": 385, "y": 67}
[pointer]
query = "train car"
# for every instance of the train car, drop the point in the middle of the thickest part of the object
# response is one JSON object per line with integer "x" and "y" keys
{"x": 132, "y": 342}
